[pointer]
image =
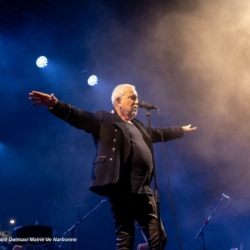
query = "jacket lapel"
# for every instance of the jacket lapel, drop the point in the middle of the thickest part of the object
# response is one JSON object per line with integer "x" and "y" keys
{"x": 121, "y": 125}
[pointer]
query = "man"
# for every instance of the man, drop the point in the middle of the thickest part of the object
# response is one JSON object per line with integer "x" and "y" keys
{"x": 122, "y": 169}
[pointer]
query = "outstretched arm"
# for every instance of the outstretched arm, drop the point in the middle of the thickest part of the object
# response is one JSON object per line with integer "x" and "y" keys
{"x": 78, "y": 118}
{"x": 188, "y": 128}
{"x": 41, "y": 98}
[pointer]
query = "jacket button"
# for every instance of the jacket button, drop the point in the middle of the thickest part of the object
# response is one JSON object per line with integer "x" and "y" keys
{"x": 116, "y": 130}
{"x": 110, "y": 159}
{"x": 114, "y": 140}
{"x": 113, "y": 149}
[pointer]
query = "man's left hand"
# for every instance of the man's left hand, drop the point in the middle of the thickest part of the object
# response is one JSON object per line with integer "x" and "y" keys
{"x": 188, "y": 128}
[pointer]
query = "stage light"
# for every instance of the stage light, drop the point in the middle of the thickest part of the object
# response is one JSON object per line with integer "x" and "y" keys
{"x": 92, "y": 80}
{"x": 12, "y": 221}
{"x": 42, "y": 62}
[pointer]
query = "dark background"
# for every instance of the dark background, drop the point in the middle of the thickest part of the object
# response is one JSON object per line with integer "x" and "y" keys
{"x": 190, "y": 58}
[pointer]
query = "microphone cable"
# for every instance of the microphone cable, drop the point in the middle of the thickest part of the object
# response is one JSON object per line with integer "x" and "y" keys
{"x": 168, "y": 181}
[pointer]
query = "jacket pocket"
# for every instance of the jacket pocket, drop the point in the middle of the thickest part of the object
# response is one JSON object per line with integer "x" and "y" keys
{"x": 100, "y": 159}
{"x": 98, "y": 167}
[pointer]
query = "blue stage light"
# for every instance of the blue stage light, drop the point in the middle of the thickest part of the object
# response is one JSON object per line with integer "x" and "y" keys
{"x": 42, "y": 62}
{"x": 92, "y": 80}
{"x": 12, "y": 221}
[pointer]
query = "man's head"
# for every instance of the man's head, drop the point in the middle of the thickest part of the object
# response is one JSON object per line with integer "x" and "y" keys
{"x": 124, "y": 99}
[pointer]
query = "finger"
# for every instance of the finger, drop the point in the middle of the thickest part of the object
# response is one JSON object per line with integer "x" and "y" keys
{"x": 34, "y": 98}
{"x": 36, "y": 93}
{"x": 33, "y": 93}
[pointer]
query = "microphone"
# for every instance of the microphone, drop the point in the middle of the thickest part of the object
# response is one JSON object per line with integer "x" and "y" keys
{"x": 225, "y": 196}
{"x": 146, "y": 105}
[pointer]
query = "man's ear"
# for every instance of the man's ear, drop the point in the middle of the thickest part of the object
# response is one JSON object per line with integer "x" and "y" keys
{"x": 116, "y": 104}
{"x": 118, "y": 100}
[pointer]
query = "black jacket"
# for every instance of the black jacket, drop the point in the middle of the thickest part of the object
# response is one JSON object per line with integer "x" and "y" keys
{"x": 111, "y": 140}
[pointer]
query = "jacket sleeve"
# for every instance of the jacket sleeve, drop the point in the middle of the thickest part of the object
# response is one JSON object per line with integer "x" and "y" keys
{"x": 167, "y": 133}
{"x": 78, "y": 118}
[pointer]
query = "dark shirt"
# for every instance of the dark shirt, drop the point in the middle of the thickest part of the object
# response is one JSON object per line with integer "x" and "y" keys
{"x": 140, "y": 160}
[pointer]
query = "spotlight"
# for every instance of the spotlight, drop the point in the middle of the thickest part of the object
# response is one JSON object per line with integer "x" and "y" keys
{"x": 42, "y": 62}
{"x": 12, "y": 221}
{"x": 92, "y": 80}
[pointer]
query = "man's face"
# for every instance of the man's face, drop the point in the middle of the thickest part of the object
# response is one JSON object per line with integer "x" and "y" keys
{"x": 128, "y": 106}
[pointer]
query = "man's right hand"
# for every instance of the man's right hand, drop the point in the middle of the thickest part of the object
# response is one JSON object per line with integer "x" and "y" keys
{"x": 41, "y": 98}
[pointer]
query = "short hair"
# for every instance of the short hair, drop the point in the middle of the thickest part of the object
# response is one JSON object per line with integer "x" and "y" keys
{"x": 119, "y": 91}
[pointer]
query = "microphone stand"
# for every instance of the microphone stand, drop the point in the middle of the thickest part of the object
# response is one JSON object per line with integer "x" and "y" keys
{"x": 72, "y": 229}
{"x": 79, "y": 217}
{"x": 201, "y": 233}
{"x": 155, "y": 182}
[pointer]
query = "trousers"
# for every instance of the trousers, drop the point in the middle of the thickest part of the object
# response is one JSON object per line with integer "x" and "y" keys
{"x": 140, "y": 208}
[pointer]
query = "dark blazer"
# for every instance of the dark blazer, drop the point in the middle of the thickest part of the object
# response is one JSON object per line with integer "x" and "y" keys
{"x": 112, "y": 142}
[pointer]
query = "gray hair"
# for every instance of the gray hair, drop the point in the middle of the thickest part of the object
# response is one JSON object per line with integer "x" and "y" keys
{"x": 119, "y": 91}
